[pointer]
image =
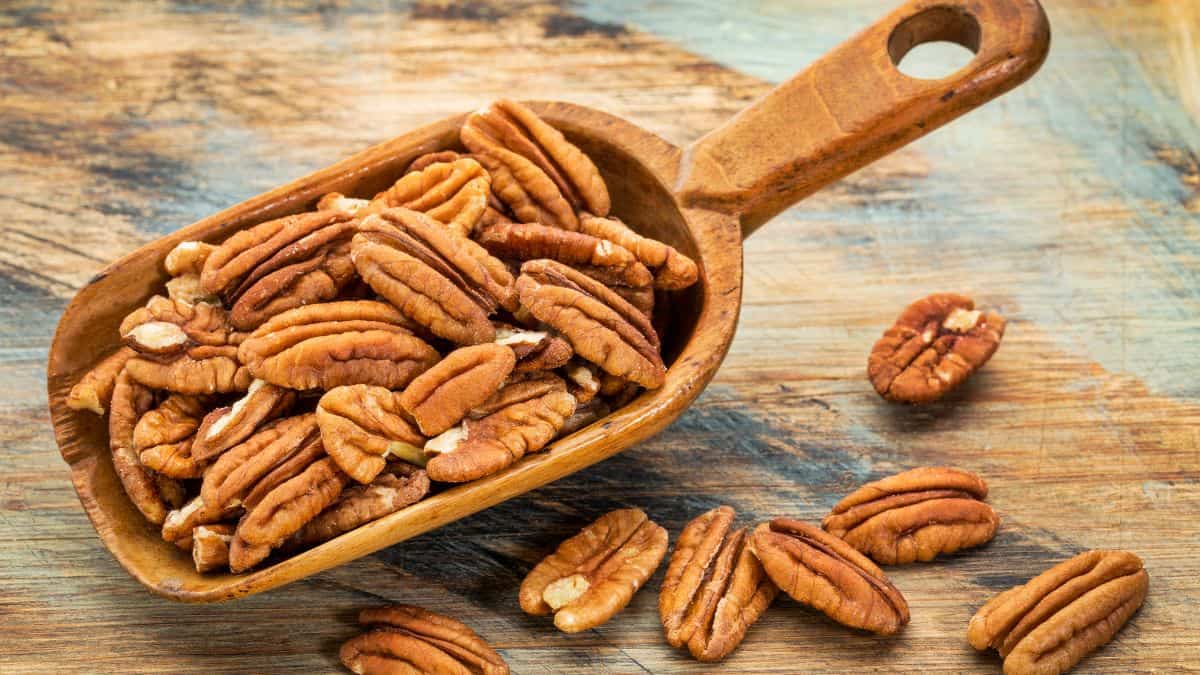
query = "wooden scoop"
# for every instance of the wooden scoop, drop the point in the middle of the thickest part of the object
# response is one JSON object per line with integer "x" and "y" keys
{"x": 847, "y": 109}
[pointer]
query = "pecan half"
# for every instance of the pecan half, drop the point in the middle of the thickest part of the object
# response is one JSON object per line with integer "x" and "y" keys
{"x": 535, "y": 170}
{"x": 94, "y": 390}
{"x": 163, "y": 436}
{"x": 518, "y": 389}
{"x": 408, "y": 639}
{"x": 315, "y": 269}
{"x": 168, "y": 327}
{"x": 535, "y": 350}
{"x": 672, "y": 270}
{"x": 818, "y": 569}
{"x": 443, "y": 395}
{"x": 439, "y": 157}
{"x": 361, "y": 504}
{"x": 227, "y": 426}
{"x": 444, "y": 282}
{"x": 131, "y": 400}
{"x": 594, "y": 574}
{"x": 210, "y": 546}
{"x": 199, "y": 370}
{"x": 935, "y": 344}
{"x": 238, "y": 470}
{"x": 600, "y": 326}
{"x": 641, "y": 298}
{"x": 361, "y": 426}
{"x": 915, "y": 515}
{"x": 715, "y": 588}
{"x": 454, "y": 192}
{"x": 336, "y": 343}
{"x": 530, "y": 241}
{"x": 1050, "y": 622}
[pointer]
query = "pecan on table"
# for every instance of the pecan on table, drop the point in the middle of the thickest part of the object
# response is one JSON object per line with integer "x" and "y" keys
{"x": 361, "y": 426}
{"x": 934, "y": 345}
{"x": 443, "y": 395}
{"x": 454, "y": 193}
{"x": 535, "y": 170}
{"x": 331, "y": 344}
{"x": 241, "y": 468}
{"x": 611, "y": 263}
{"x": 1050, "y": 622}
{"x": 408, "y": 639}
{"x": 210, "y": 546}
{"x": 915, "y": 515}
{"x": 131, "y": 400}
{"x": 163, "y": 437}
{"x": 594, "y": 574}
{"x": 227, "y": 426}
{"x": 400, "y": 486}
{"x": 818, "y": 569}
{"x": 535, "y": 350}
{"x": 600, "y": 326}
{"x": 672, "y": 270}
{"x": 94, "y": 390}
{"x": 715, "y": 588}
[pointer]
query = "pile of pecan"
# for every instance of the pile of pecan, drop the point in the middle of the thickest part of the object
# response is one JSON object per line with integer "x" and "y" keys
{"x": 316, "y": 372}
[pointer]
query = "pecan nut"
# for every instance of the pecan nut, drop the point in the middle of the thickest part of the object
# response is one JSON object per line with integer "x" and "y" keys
{"x": 310, "y": 272}
{"x": 408, "y": 639}
{"x": 600, "y": 326}
{"x": 453, "y": 192}
{"x": 672, "y": 270}
{"x": 715, "y": 588}
{"x": 443, "y": 395}
{"x": 361, "y": 426}
{"x": 167, "y": 327}
{"x": 593, "y": 575}
{"x": 184, "y": 263}
{"x": 1050, "y": 622}
{"x": 163, "y": 436}
{"x": 361, "y": 504}
{"x": 818, "y": 569}
{"x": 935, "y": 344}
{"x": 241, "y": 468}
{"x": 535, "y": 350}
{"x": 227, "y": 426}
{"x": 336, "y": 343}
{"x": 915, "y": 515}
{"x": 180, "y": 523}
{"x": 199, "y": 370}
{"x": 94, "y": 390}
{"x": 131, "y": 400}
{"x": 530, "y": 241}
{"x": 210, "y": 546}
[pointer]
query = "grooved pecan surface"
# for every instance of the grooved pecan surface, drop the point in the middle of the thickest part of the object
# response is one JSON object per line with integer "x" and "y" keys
{"x": 314, "y": 269}
{"x": 824, "y": 572}
{"x": 933, "y": 346}
{"x": 443, "y": 395}
{"x": 530, "y": 241}
{"x": 642, "y": 299}
{"x": 715, "y": 588}
{"x": 594, "y": 574}
{"x": 131, "y": 400}
{"x": 915, "y": 515}
{"x": 408, "y": 639}
{"x": 210, "y": 546}
{"x": 361, "y": 426}
{"x": 518, "y": 389}
{"x": 163, "y": 436}
{"x": 535, "y": 350}
{"x": 1049, "y": 623}
{"x": 672, "y": 270}
{"x": 453, "y": 192}
{"x": 94, "y": 390}
{"x": 600, "y": 326}
{"x": 199, "y": 370}
{"x": 361, "y": 504}
{"x": 336, "y": 343}
{"x": 227, "y": 426}
{"x": 239, "y": 469}
{"x": 166, "y": 327}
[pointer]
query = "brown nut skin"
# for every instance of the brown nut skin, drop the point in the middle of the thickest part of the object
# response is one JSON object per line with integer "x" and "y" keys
{"x": 210, "y": 546}
{"x": 530, "y": 241}
{"x": 227, "y": 426}
{"x": 331, "y": 344}
{"x": 915, "y": 515}
{"x": 673, "y": 270}
{"x": 1046, "y": 625}
{"x": 715, "y": 588}
{"x": 199, "y": 370}
{"x": 361, "y": 504}
{"x": 935, "y": 344}
{"x": 165, "y": 326}
{"x": 311, "y": 272}
{"x": 593, "y": 575}
{"x": 442, "y": 396}
{"x": 818, "y": 569}
{"x": 453, "y": 192}
{"x": 163, "y": 436}
{"x": 235, "y": 473}
{"x": 408, "y": 639}
{"x": 94, "y": 390}
{"x": 130, "y": 400}
{"x": 361, "y": 426}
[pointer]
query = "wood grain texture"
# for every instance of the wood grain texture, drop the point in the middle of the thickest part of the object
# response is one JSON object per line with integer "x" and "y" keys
{"x": 1071, "y": 205}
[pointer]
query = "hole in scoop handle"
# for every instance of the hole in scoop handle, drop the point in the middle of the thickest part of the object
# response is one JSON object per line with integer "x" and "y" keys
{"x": 853, "y": 105}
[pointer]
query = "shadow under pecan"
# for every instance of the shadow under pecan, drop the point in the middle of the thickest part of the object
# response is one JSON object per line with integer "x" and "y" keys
{"x": 454, "y": 193}
{"x": 402, "y": 485}
{"x": 163, "y": 436}
{"x": 535, "y": 350}
{"x": 331, "y": 344}
{"x": 236, "y": 472}
{"x": 443, "y": 395}
{"x": 593, "y": 575}
{"x": 1049, "y": 623}
{"x": 227, "y": 426}
{"x": 608, "y": 262}
{"x": 130, "y": 401}
{"x": 361, "y": 426}
{"x": 915, "y": 515}
{"x": 600, "y": 326}
{"x": 408, "y": 639}
{"x": 673, "y": 270}
{"x": 715, "y": 587}
{"x": 934, "y": 345}
{"x": 94, "y": 390}
{"x": 818, "y": 569}
{"x": 210, "y": 546}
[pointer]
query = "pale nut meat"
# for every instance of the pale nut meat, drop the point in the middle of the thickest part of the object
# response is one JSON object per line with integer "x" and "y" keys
{"x": 935, "y": 344}
{"x": 331, "y": 344}
{"x": 199, "y": 370}
{"x": 915, "y": 515}
{"x": 188, "y": 257}
{"x": 131, "y": 400}
{"x": 1046, "y": 625}
{"x": 443, "y": 395}
{"x": 519, "y": 389}
{"x": 583, "y": 381}
{"x": 535, "y": 350}
{"x": 210, "y": 546}
{"x": 401, "y": 486}
{"x": 241, "y": 468}
{"x": 94, "y": 390}
{"x": 600, "y": 326}
{"x": 362, "y": 426}
{"x": 531, "y": 241}
{"x": 163, "y": 436}
{"x": 408, "y": 639}
{"x": 180, "y": 523}
{"x": 817, "y": 569}
{"x": 673, "y": 270}
{"x": 454, "y": 193}
{"x": 227, "y": 426}
{"x": 715, "y": 588}
{"x": 593, "y": 575}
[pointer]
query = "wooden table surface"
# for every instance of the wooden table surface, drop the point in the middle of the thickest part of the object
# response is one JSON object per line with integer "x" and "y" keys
{"x": 1071, "y": 205}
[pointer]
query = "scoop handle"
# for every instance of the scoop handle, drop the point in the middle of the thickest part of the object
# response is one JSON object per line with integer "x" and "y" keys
{"x": 853, "y": 105}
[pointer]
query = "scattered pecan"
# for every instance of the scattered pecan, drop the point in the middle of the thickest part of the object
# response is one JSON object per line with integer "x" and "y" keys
{"x": 227, "y": 426}
{"x": 535, "y": 170}
{"x": 163, "y": 436}
{"x": 600, "y": 326}
{"x": 443, "y": 395}
{"x": 935, "y": 344}
{"x": 361, "y": 426}
{"x": 818, "y": 569}
{"x": 715, "y": 588}
{"x": 594, "y": 574}
{"x": 210, "y": 546}
{"x": 444, "y": 282}
{"x": 94, "y": 390}
{"x": 391, "y": 491}
{"x": 408, "y": 639}
{"x": 131, "y": 400}
{"x": 336, "y": 343}
{"x": 535, "y": 350}
{"x": 167, "y": 327}
{"x": 672, "y": 270}
{"x": 530, "y": 241}
{"x": 238, "y": 470}
{"x": 1050, "y": 622}
{"x": 454, "y": 192}
{"x": 915, "y": 515}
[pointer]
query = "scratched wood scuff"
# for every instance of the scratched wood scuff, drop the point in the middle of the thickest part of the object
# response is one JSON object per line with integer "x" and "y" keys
{"x": 1069, "y": 204}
